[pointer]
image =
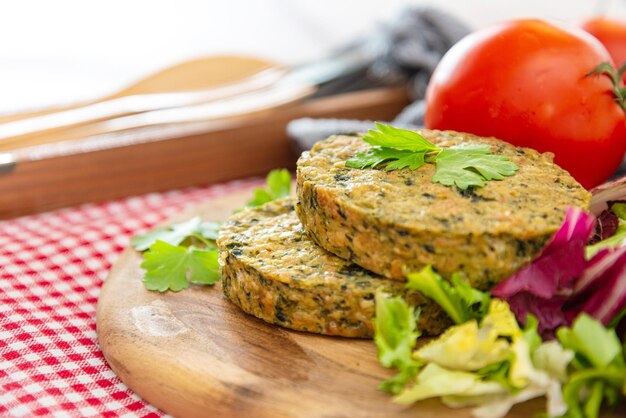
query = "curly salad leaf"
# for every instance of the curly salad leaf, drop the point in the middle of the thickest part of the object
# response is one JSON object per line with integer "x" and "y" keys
{"x": 462, "y": 166}
{"x": 486, "y": 362}
{"x": 489, "y": 362}
{"x": 460, "y": 301}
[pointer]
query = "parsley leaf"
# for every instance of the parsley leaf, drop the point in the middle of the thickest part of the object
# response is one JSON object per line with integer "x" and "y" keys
{"x": 462, "y": 166}
{"x": 376, "y": 156}
{"x": 401, "y": 139}
{"x": 398, "y": 147}
{"x": 177, "y": 233}
{"x": 470, "y": 165}
{"x": 209, "y": 230}
{"x": 171, "y": 256}
{"x": 172, "y": 267}
{"x": 278, "y": 185}
{"x": 174, "y": 234}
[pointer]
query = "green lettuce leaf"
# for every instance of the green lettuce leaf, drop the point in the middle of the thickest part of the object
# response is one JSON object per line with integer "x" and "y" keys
{"x": 458, "y": 299}
{"x": 434, "y": 381}
{"x": 588, "y": 338}
{"x": 395, "y": 335}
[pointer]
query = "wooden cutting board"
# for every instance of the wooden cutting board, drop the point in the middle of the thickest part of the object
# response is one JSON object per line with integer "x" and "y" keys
{"x": 194, "y": 354}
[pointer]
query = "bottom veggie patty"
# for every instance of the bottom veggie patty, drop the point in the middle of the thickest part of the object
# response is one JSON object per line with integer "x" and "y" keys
{"x": 272, "y": 270}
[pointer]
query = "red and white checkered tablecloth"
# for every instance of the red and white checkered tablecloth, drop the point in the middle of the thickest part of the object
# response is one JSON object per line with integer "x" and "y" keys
{"x": 52, "y": 267}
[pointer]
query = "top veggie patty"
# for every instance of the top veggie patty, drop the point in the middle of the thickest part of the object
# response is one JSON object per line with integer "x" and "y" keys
{"x": 384, "y": 220}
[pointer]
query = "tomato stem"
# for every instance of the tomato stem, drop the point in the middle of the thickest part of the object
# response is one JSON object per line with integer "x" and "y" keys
{"x": 618, "y": 91}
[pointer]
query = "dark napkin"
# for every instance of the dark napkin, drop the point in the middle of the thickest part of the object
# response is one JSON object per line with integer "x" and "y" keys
{"x": 409, "y": 49}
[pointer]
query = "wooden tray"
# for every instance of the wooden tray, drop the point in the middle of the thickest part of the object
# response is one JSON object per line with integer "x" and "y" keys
{"x": 167, "y": 157}
{"x": 194, "y": 354}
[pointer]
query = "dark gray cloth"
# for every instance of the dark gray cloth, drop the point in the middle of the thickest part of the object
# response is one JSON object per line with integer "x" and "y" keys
{"x": 410, "y": 48}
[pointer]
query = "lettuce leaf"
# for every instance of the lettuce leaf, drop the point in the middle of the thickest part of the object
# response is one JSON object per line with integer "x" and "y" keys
{"x": 395, "y": 335}
{"x": 436, "y": 381}
{"x": 599, "y": 360}
{"x": 465, "y": 347}
{"x": 460, "y": 301}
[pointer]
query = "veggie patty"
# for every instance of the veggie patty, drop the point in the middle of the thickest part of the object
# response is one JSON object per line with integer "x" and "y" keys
{"x": 272, "y": 270}
{"x": 384, "y": 220}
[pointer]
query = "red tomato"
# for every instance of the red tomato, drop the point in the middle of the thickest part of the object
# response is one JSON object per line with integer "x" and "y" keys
{"x": 612, "y": 34}
{"x": 525, "y": 82}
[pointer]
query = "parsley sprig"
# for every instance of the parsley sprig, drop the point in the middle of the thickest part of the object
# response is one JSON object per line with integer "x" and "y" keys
{"x": 179, "y": 254}
{"x": 186, "y": 252}
{"x": 463, "y": 166}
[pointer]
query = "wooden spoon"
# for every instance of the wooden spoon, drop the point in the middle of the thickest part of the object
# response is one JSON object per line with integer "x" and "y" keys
{"x": 198, "y": 74}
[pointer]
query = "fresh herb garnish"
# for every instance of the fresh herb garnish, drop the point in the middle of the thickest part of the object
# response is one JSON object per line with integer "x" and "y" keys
{"x": 179, "y": 254}
{"x": 278, "y": 184}
{"x": 172, "y": 267}
{"x": 177, "y": 233}
{"x": 470, "y": 165}
{"x": 184, "y": 253}
{"x": 463, "y": 166}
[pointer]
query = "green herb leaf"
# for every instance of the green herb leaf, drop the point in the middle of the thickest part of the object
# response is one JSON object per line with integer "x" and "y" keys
{"x": 401, "y": 139}
{"x": 174, "y": 234}
{"x": 209, "y": 230}
{"x": 278, "y": 185}
{"x": 395, "y": 335}
{"x": 460, "y": 301}
{"x": 398, "y": 159}
{"x": 260, "y": 197}
{"x": 177, "y": 233}
{"x": 470, "y": 165}
{"x": 462, "y": 165}
{"x": 171, "y": 267}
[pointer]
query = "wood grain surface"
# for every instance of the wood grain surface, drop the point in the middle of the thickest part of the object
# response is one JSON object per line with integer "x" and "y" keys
{"x": 169, "y": 157}
{"x": 194, "y": 354}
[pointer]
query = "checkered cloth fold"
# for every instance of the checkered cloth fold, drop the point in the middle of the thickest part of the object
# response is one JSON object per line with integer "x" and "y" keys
{"x": 52, "y": 267}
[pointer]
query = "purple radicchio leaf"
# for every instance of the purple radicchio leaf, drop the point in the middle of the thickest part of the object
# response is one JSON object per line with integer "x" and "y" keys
{"x": 606, "y": 226}
{"x": 542, "y": 287}
{"x": 608, "y": 192}
{"x": 600, "y": 290}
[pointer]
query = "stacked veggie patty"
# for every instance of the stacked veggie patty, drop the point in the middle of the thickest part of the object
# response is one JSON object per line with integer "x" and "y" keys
{"x": 272, "y": 270}
{"x": 302, "y": 272}
{"x": 386, "y": 221}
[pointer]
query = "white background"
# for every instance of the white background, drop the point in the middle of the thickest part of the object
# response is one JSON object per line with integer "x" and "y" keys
{"x": 68, "y": 50}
